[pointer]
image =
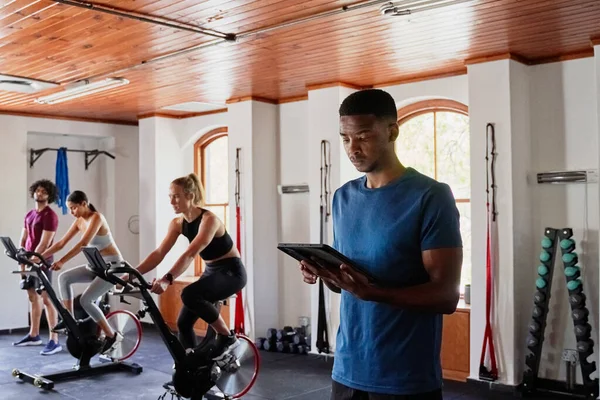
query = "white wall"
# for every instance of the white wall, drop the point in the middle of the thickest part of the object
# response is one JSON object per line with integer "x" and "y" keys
{"x": 13, "y": 200}
{"x": 169, "y": 166}
{"x": 294, "y": 295}
{"x": 14, "y": 158}
{"x": 564, "y": 132}
{"x": 453, "y": 88}
{"x": 189, "y": 130}
{"x": 89, "y": 181}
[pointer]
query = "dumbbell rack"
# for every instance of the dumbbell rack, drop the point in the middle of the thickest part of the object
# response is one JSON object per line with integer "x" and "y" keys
{"x": 585, "y": 346}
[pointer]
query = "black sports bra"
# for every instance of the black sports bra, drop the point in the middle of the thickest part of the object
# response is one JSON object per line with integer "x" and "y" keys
{"x": 218, "y": 247}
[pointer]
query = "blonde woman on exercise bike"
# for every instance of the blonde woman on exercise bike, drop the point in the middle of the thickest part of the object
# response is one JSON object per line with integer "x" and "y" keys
{"x": 224, "y": 276}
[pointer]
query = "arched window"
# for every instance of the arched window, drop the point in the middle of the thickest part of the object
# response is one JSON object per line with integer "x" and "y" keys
{"x": 212, "y": 166}
{"x": 434, "y": 139}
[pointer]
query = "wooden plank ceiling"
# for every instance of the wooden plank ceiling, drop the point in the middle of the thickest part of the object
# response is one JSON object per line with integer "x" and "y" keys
{"x": 50, "y": 41}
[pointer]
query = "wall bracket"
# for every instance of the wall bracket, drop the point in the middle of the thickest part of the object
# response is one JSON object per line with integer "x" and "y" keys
{"x": 90, "y": 155}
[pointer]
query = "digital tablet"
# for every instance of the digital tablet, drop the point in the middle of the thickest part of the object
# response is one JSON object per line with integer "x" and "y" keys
{"x": 320, "y": 255}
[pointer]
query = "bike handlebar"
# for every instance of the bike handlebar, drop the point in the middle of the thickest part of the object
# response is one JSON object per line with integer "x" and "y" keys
{"x": 24, "y": 255}
{"x": 126, "y": 268}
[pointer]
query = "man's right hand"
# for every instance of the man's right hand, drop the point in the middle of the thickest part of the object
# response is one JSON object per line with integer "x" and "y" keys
{"x": 308, "y": 276}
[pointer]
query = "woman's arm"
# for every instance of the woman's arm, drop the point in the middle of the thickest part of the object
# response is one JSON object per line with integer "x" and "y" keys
{"x": 206, "y": 233}
{"x": 58, "y": 246}
{"x": 159, "y": 254}
{"x": 93, "y": 227}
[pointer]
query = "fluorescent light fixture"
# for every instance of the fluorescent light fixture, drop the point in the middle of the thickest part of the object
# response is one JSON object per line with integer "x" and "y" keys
{"x": 409, "y": 7}
{"x": 80, "y": 89}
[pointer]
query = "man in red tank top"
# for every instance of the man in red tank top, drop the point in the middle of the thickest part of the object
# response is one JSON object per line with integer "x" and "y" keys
{"x": 38, "y": 233}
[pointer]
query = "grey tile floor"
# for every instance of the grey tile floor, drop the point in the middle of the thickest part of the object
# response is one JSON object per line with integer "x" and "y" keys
{"x": 282, "y": 376}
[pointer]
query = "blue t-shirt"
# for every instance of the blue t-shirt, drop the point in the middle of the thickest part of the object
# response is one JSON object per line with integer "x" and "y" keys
{"x": 381, "y": 348}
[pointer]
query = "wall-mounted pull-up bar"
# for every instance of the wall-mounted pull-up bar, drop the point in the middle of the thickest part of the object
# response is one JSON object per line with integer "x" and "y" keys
{"x": 90, "y": 155}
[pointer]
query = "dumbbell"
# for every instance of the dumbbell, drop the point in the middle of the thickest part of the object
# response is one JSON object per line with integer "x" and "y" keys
{"x": 539, "y": 297}
{"x": 301, "y": 330}
{"x": 270, "y": 345}
{"x": 534, "y": 327}
{"x": 299, "y": 339}
{"x": 577, "y": 299}
{"x": 532, "y": 341}
{"x": 260, "y": 342}
{"x": 286, "y": 334}
{"x": 584, "y": 345}
{"x": 567, "y": 245}
{"x": 293, "y": 348}
{"x": 282, "y": 347}
{"x": 582, "y": 330}
{"x": 580, "y": 314}
{"x": 271, "y": 334}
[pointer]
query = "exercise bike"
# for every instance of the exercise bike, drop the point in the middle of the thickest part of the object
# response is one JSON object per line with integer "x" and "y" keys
{"x": 82, "y": 335}
{"x": 195, "y": 373}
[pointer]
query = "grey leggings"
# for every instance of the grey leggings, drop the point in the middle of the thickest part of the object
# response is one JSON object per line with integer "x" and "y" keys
{"x": 97, "y": 288}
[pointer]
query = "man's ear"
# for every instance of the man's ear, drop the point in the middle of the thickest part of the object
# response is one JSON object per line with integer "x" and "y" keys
{"x": 394, "y": 131}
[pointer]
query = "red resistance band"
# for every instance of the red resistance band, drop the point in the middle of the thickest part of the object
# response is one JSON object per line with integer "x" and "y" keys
{"x": 492, "y": 374}
{"x": 238, "y": 325}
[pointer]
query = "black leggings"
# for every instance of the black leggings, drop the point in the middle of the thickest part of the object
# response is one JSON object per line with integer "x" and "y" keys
{"x": 220, "y": 280}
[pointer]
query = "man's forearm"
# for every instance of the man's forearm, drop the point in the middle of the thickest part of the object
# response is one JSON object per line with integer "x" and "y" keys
{"x": 41, "y": 248}
{"x": 428, "y": 297}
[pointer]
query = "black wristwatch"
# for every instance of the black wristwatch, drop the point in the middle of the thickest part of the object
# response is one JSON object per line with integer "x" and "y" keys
{"x": 169, "y": 277}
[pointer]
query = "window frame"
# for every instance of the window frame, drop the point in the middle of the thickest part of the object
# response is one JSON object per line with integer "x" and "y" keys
{"x": 434, "y": 106}
{"x": 199, "y": 156}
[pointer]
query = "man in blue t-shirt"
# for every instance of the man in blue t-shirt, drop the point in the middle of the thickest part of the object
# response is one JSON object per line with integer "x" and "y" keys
{"x": 403, "y": 228}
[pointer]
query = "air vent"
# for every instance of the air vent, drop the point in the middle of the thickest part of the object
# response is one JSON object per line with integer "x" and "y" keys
{"x": 18, "y": 84}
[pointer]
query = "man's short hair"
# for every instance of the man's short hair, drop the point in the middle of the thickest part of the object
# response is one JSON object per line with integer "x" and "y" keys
{"x": 49, "y": 186}
{"x": 375, "y": 102}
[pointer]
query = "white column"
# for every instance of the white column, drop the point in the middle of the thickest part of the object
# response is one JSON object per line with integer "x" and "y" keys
{"x": 147, "y": 188}
{"x": 499, "y": 94}
{"x": 323, "y": 124}
{"x": 525, "y": 241}
{"x": 160, "y": 162}
{"x": 14, "y": 162}
{"x": 597, "y": 84}
{"x": 253, "y": 127}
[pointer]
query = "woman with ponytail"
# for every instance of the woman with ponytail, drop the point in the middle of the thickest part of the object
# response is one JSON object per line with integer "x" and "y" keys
{"x": 95, "y": 232}
{"x": 224, "y": 276}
